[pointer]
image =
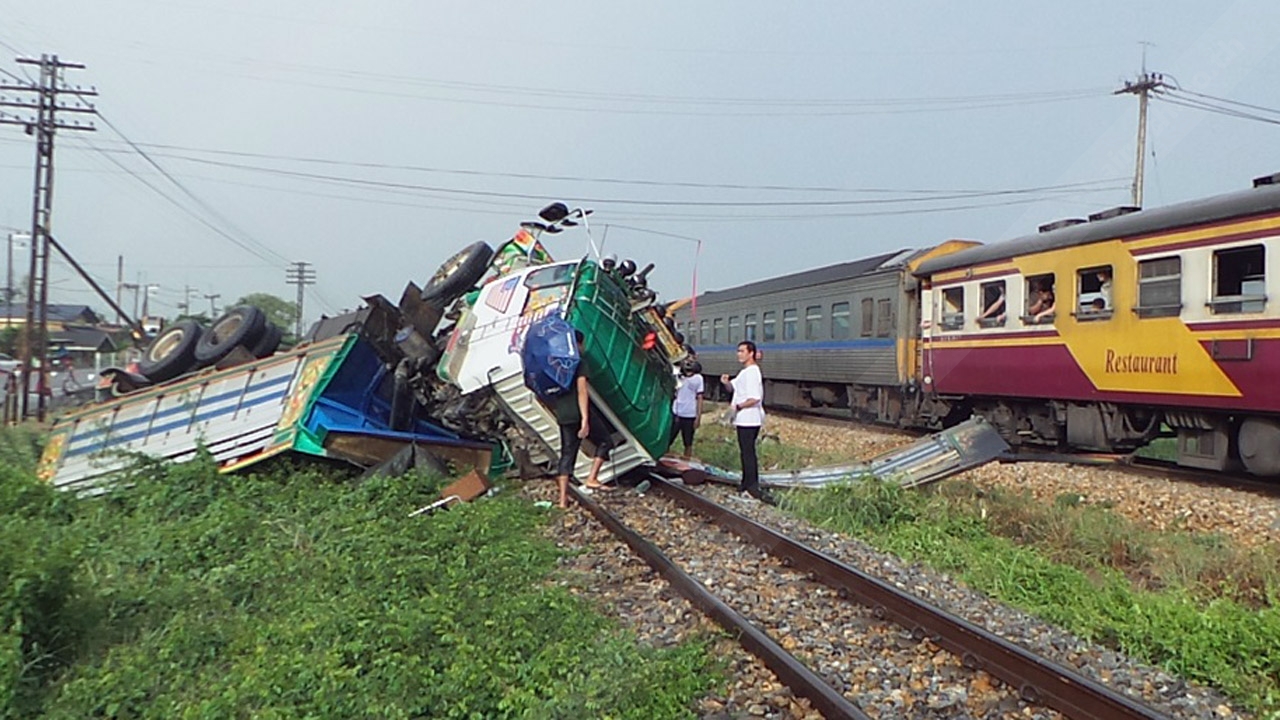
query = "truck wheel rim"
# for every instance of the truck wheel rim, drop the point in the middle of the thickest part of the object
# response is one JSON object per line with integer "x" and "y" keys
{"x": 166, "y": 345}
{"x": 225, "y": 328}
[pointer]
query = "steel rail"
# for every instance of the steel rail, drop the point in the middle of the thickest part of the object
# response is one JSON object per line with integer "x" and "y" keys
{"x": 1037, "y": 679}
{"x": 802, "y": 681}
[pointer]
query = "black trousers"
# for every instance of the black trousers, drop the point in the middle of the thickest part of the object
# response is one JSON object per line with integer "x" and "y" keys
{"x": 682, "y": 427}
{"x": 747, "y": 452}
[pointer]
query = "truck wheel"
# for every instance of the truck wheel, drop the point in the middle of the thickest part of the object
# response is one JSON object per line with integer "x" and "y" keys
{"x": 241, "y": 325}
{"x": 458, "y": 274}
{"x": 172, "y": 352}
{"x": 266, "y": 346}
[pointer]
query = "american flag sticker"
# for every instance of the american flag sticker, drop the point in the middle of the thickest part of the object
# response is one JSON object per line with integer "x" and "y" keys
{"x": 500, "y": 298}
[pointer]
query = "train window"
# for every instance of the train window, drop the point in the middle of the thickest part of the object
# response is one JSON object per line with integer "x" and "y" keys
{"x": 749, "y": 327}
{"x": 1042, "y": 301}
{"x": 704, "y": 334}
{"x": 868, "y": 316}
{"x": 1239, "y": 280}
{"x": 1093, "y": 293}
{"x": 884, "y": 323}
{"x": 717, "y": 331}
{"x": 789, "y": 324}
{"x": 840, "y": 321}
{"x": 813, "y": 322}
{"x": 735, "y": 331}
{"x": 768, "y": 327}
{"x": 953, "y": 308}
{"x": 993, "y": 309}
{"x": 1159, "y": 287}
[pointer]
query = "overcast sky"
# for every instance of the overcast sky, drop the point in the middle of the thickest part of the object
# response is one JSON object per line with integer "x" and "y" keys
{"x": 374, "y": 139}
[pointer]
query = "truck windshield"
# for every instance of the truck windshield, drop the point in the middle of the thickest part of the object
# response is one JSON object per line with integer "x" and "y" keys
{"x": 553, "y": 276}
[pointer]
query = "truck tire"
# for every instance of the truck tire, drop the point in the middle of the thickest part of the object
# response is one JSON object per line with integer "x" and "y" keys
{"x": 241, "y": 325}
{"x": 458, "y": 274}
{"x": 266, "y": 346}
{"x": 172, "y": 352}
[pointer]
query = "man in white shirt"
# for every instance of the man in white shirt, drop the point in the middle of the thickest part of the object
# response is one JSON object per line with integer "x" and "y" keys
{"x": 748, "y": 416}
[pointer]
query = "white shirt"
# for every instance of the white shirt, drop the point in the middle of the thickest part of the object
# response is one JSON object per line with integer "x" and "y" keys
{"x": 687, "y": 391}
{"x": 749, "y": 385}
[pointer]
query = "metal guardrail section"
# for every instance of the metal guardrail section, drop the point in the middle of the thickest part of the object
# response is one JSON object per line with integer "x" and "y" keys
{"x": 1037, "y": 679}
{"x": 954, "y": 450}
{"x": 802, "y": 681}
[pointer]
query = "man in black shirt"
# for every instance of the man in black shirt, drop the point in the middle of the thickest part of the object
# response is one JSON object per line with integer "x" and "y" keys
{"x": 572, "y": 411}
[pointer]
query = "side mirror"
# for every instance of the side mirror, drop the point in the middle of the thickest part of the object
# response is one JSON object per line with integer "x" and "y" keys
{"x": 555, "y": 212}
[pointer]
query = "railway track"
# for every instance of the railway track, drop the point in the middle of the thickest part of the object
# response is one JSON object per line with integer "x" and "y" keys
{"x": 1123, "y": 462}
{"x": 1152, "y": 467}
{"x": 827, "y": 623}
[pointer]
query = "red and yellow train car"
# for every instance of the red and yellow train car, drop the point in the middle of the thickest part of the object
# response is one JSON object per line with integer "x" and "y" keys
{"x": 1103, "y": 333}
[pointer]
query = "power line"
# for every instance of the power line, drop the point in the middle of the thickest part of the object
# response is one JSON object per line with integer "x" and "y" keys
{"x": 534, "y": 176}
{"x": 206, "y": 206}
{"x": 1229, "y": 102}
{"x": 626, "y": 201}
{"x": 1216, "y": 109}
{"x": 187, "y": 210}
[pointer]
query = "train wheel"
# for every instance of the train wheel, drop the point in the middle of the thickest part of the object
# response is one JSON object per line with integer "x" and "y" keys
{"x": 1259, "y": 443}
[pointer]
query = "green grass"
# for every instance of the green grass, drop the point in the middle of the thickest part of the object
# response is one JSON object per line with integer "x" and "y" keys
{"x": 1087, "y": 570}
{"x": 717, "y": 444}
{"x": 296, "y": 593}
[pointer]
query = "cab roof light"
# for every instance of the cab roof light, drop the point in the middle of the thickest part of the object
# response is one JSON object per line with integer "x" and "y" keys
{"x": 1114, "y": 212}
{"x": 1272, "y": 179}
{"x": 1059, "y": 224}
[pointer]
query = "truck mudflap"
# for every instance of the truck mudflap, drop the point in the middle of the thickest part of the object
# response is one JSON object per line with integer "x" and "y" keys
{"x": 927, "y": 460}
{"x": 321, "y": 399}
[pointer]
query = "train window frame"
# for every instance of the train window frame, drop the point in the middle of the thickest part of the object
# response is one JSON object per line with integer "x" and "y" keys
{"x": 769, "y": 326}
{"x": 1034, "y": 283}
{"x": 1239, "y": 279}
{"x": 868, "y": 317}
{"x": 813, "y": 322}
{"x": 840, "y": 327}
{"x": 790, "y": 324}
{"x": 995, "y": 296}
{"x": 749, "y": 327}
{"x": 717, "y": 330}
{"x": 1151, "y": 281}
{"x": 704, "y": 331}
{"x": 951, "y": 311}
{"x": 884, "y": 319}
{"x": 1089, "y": 281}
{"x": 735, "y": 336}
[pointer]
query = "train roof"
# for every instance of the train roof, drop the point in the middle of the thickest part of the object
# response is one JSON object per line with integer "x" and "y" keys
{"x": 807, "y": 278}
{"x": 1264, "y": 197}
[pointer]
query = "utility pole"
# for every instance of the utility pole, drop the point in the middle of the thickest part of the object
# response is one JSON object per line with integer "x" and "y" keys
{"x": 185, "y": 305}
{"x": 147, "y": 292}
{"x": 302, "y": 275}
{"x": 134, "y": 287}
{"x": 8, "y": 285}
{"x": 1146, "y": 84}
{"x": 45, "y": 100}
{"x": 119, "y": 287}
{"x": 213, "y": 313}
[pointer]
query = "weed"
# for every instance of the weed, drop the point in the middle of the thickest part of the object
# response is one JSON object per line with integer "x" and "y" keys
{"x": 294, "y": 592}
{"x": 1193, "y": 604}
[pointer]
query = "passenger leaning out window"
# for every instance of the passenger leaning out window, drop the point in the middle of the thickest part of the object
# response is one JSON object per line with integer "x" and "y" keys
{"x": 1043, "y": 307}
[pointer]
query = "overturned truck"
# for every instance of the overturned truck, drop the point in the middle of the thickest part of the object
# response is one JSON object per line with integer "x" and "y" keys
{"x": 438, "y": 374}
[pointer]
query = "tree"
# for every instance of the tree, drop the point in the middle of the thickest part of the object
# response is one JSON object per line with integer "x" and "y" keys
{"x": 278, "y": 311}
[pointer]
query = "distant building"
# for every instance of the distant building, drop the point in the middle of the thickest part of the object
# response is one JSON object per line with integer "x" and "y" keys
{"x": 59, "y": 315}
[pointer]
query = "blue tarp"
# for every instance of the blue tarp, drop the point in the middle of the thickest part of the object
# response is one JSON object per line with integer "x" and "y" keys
{"x": 550, "y": 357}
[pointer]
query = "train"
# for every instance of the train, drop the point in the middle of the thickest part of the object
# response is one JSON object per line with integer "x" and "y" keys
{"x": 1099, "y": 334}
